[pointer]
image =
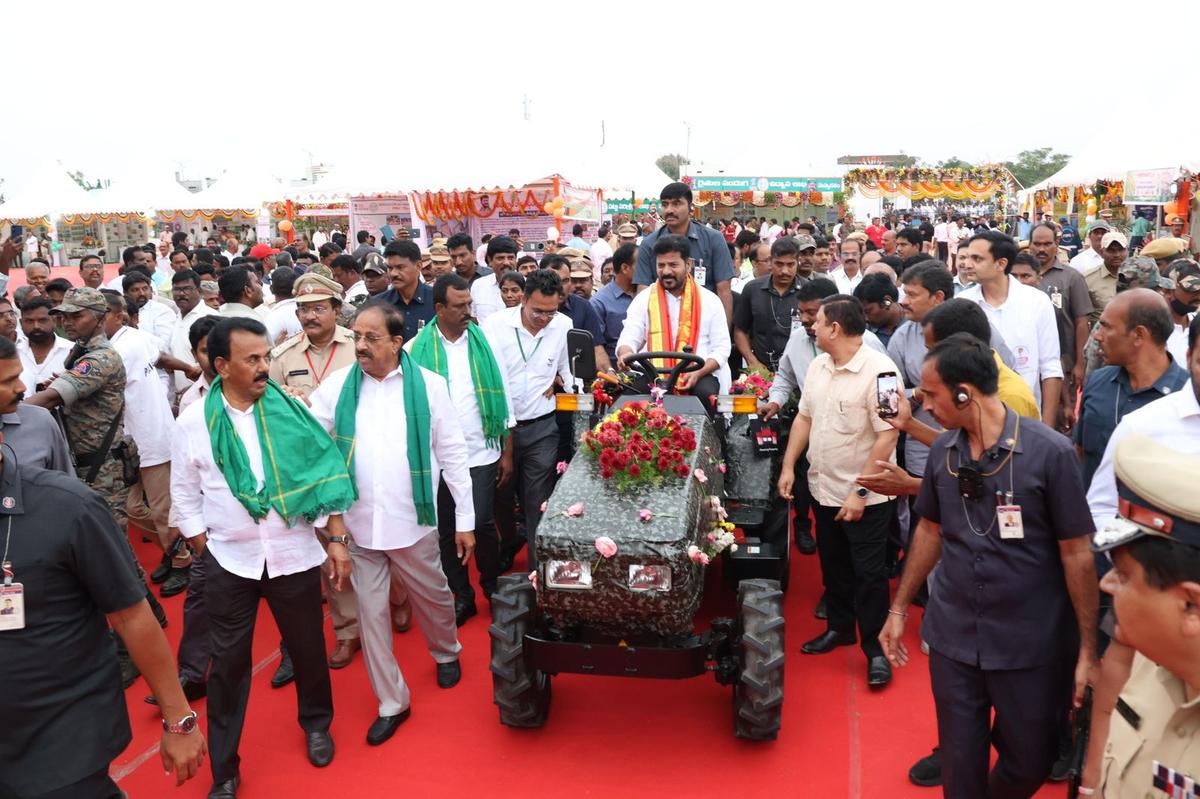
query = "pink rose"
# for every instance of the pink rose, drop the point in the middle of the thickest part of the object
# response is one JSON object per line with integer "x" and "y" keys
{"x": 561, "y": 467}
{"x": 574, "y": 511}
{"x": 543, "y": 506}
{"x": 693, "y": 553}
{"x": 700, "y": 475}
{"x": 645, "y": 514}
{"x": 704, "y": 561}
{"x": 721, "y": 468}
{"x": 533, "y": 578}
{"x": 606, "y": 546}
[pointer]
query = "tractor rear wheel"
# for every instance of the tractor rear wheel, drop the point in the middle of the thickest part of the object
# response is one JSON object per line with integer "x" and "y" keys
{"x": 522, "y": 693}
{"x": 758, "y": 692}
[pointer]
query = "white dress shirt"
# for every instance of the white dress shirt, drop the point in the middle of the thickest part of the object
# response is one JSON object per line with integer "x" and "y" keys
{"x": 1173, "y": 421}
{"x": 461, "y": 385}
{"x": 32, "y": 372}
{"x": 148, "y": 417}
{"x": 531, "y": 362}
{"x": 1086, "y": 259}
{"x": 196, "y": 391}
{"x": 384, "y": 516}
{"x": 202, "y": 503}
{"x": 160, "y": 320}
{"x": 600, "y": 252}
{"x": 282, "y": 319}
{"x": 485, "y": 297}
{"x": 181, "y": 344}
{"x": 1026, "y": 320}
{"x": 845, "y": 283}
{"x": 711, "y": 342}
{"x": 359, "y": 289}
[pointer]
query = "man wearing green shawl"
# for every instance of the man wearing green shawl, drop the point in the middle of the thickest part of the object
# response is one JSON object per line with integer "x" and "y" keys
{"x": 252, "y": 474}
{"x": 457, "y": 349}
{"x": 399, "y": 437}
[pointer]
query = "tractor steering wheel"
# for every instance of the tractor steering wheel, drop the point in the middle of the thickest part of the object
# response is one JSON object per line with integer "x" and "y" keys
{"x": 685, "y": 362}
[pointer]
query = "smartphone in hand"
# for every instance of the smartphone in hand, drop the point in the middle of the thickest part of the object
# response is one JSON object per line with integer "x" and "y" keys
{"x": 887, "y": 392}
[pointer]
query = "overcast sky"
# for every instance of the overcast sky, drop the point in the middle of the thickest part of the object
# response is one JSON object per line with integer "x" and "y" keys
{"x": 774, "y": 88}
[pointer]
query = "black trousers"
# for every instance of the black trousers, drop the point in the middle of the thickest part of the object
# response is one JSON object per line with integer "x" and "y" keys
{"x": 853, "y": 570}
{"x": 295, "y": 602}
{"x": 535, "y": 451}
{"x": 195, "y": 649}
{"x": 95, "y": 786}
{"x": 487, "y": 543}
{"x": 1029, "y": 705}
{"x": 802, "y": 500}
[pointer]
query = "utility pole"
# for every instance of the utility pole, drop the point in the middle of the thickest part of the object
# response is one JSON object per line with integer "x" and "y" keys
{"x": 687, "y": 150}
{"x": 525, "y": 106}
{"x": 602, "y": 139}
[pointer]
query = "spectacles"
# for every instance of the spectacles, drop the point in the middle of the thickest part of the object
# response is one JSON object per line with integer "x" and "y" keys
{"x": 541, "y": 314}
{"x": 8, "y": 314}
{"x": 312, "y": 309}
{"x": 370, "y": 338}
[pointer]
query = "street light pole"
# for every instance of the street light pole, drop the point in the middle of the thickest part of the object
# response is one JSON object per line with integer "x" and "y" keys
{"x": 687, "y": 150}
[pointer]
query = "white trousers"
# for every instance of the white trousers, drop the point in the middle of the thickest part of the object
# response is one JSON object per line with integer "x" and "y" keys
{"x": 419, "y": 569}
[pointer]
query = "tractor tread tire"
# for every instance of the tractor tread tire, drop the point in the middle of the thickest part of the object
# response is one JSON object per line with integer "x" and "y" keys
{"x": 758, "y": 693}
{"x": 522, "y": 694}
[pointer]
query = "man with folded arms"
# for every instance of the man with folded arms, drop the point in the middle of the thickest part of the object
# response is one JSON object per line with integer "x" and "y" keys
{"x": 395, "y": 518}
{"x": 252, "y": 474}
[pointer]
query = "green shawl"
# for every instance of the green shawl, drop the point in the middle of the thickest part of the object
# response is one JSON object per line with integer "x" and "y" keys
{"x": 428, "y": 350}
{"x": 417, "y": 427}
{"x": 303, "y": 476}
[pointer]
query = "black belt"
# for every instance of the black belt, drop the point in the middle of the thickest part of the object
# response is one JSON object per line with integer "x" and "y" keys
{"x": 542, "y": 418}
{"x": 90, "y": 459}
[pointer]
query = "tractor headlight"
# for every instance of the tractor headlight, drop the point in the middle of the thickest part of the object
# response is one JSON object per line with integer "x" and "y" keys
{"x": 649, "y": 577}
{"x": 569, "y": 574}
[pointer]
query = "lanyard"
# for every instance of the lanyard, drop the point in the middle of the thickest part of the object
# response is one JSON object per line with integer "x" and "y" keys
{"x": 5, "y": 563}
{"x": 525, "y": 358}
{"x": 328, "y": 361}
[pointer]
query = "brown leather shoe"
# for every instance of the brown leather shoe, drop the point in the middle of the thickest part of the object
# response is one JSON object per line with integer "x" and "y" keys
{"x": 402, "y": 617}
{"x": 343, "y": 653}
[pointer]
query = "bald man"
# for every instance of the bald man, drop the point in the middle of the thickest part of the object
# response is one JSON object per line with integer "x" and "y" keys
{"x": 1132, "y": 334}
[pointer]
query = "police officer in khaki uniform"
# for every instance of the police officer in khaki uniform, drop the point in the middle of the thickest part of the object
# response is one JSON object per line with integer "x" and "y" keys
{"x": 91, "y": 395}
{"x": 1153, "y": 747}
{"x": 299, "y": 364}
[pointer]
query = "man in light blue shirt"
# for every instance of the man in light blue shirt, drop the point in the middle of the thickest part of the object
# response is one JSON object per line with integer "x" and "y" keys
{"x": 611, "y": 302}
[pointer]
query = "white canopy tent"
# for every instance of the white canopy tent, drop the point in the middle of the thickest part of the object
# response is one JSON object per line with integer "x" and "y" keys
{"x": 246, "y": 189}
{"x": 46, "y": 190}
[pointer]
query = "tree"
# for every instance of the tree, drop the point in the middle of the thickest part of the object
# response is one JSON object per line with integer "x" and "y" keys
{"x": 672, "y": 164}
{"x": 954, "y": 162}
{"x": 1032, "y": 166}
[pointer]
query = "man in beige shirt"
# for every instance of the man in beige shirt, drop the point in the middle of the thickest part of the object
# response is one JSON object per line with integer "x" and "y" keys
{"x": 837, "y": 421}
{"x": 1101, "y": 279}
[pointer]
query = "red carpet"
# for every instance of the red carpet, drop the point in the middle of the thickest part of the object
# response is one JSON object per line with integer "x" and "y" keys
{"x": 604, "y": 737}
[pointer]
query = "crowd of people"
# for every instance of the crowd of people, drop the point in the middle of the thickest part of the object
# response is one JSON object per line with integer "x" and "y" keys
{"x": 1015, "y": 482}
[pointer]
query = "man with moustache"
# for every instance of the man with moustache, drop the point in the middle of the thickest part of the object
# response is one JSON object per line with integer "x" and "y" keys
{"x": 710, "y": 264}
{"x": 43, "y": 352}
{"x": 154, "y": 317}
{"x": 299, "y": 365}
{"x": 255, "y": 525}
{"x": 767, "y": 312}
{"x": 185, "y": 291}
{"x": 91, "y": 271}
{"x": 458, "y": 350}
{"x": 409, "y": 293}
{"x": 395, "y": 520}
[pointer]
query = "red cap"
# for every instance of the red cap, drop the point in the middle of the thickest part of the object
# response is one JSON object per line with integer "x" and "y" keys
{"x": 260, "y": 251}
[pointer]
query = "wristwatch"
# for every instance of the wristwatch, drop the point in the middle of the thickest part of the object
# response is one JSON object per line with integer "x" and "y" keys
{"x": 182, "y": 727}
{"x": 862, "y": 492}
{"x": 339, "y": 539}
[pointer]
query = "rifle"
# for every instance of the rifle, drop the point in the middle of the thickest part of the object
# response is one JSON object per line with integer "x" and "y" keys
{"x": 1081, "y": 727}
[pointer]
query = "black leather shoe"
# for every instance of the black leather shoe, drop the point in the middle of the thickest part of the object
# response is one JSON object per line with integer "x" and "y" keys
{"x": 805, "y": 542}
{"x": 320, "y": 748}
{"x": 161, "y": 571}
{"x": 192, "y": 691}
{"x": 284, "y": 674}
{"x": 385, "y": 726}
{"x": 176, "y": 582}
{"x": 463, "y": 610}
{"x": 827, "y": 642}
{"x": 448, "y": 674}
{"x": 225, "y": 790}
{"x": 879, "y": 671}
{"x": 820, "y": 611}
{"x": 927, "y": 772}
